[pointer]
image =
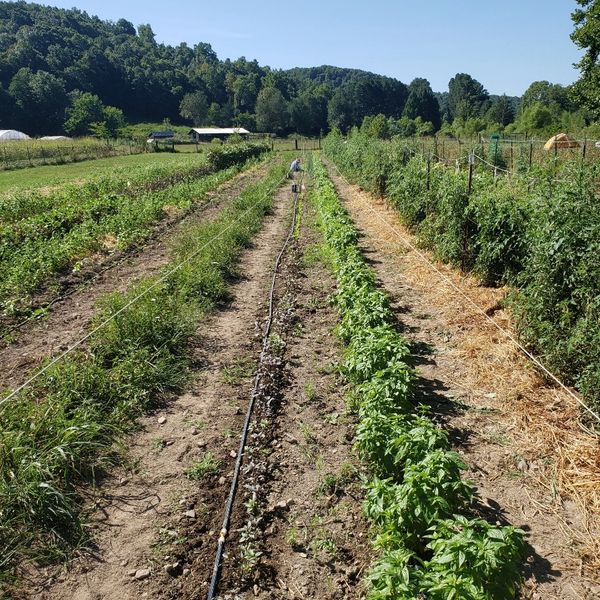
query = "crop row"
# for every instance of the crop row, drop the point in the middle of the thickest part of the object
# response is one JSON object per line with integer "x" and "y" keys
{"x": 73, "y": 223}
{"x": 541, "y": 237}
{"x": 430, "y": 545}
{"x": 62, "y": 431}
{"x": 18, "y": 204}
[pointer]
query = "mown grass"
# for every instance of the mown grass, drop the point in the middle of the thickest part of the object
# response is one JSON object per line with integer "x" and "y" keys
{"x": 51, "y": 176}
{"x": 26, "y": 154}
{"x": 67, "y": 427}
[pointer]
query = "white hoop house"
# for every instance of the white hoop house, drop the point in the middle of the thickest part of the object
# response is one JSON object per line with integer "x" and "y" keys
{"x": 12, "y": 134}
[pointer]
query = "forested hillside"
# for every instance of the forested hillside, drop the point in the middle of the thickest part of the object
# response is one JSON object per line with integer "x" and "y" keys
{"x": 64, "y": 70}
{"x": 49, "y": 55}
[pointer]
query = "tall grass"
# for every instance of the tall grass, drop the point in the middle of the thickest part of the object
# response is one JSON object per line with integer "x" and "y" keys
{"x": 67, "y": 427}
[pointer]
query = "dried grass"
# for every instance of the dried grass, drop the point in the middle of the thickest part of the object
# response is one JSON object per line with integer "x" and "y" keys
{"x": 543, "y": 420}
{"x": 172, "y": 211}
{"x": 109, "y": 242}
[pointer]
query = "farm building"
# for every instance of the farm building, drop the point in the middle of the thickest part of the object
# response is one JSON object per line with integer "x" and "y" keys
{"x": 12, "y": 134}
{"x": 161, "y": 135}
{"x": 54, "y": 138}
{"x": 206, "y": 134}
{"x": 162, "y": 140}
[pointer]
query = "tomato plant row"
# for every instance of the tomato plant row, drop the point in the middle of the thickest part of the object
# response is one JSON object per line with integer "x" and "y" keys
{"x": 538, "y": 231}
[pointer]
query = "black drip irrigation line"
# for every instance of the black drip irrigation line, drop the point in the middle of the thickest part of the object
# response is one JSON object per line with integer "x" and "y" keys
{"x": 212, "y": 590}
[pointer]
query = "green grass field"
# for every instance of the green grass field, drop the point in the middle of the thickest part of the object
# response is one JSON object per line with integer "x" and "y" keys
{"x": 55, "y": 175}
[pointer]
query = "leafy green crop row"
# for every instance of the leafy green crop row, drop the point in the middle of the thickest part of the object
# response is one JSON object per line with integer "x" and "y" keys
{"x": 429, "y": 545}
{"x": 41, "y": 235}
{"x": 61, "y": 431}
{"x": 542, "y": 237}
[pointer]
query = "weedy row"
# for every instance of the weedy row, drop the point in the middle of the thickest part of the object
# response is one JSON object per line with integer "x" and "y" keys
{"x": 60, "y": 432}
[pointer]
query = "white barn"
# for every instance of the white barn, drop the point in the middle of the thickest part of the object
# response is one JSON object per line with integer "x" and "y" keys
{"x": 12, "y": 134}
{"x": 206, "y": 134}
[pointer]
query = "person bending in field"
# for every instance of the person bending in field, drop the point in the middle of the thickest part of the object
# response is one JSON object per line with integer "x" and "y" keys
{"x": 294, "y": 167}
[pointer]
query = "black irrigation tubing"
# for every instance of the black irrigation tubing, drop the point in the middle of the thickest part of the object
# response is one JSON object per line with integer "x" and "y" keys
{"x": 214, "y": 583}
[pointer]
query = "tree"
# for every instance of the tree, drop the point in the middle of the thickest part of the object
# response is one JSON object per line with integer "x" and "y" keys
{"x": 466, "y": 97}
{"x": 271, "y": 110}
{"x": 124, "y": 27}
{"x": 87, "y": 115}
{"x": 403, "y": 127}
{"x": 587, "y": 37}
{"x": 546, "y": 93}
{"x": 114, "y": 120}
{"x": 40, "y": 99}
{"x": 85, "y": 109}
{"x": 340, "y": 110}
{"x": 246, "y": 120}
{"x": 501, "y": 111}
{"x": 308, "y": 112}
{"x": 214, "y": 115}
{"x": 146, "y": 35}
{"x": 194, "y": 107}
{"x": 244, "y": 90}
{"x": 537, "y": 118}
{"x": 6, "y": 109}
{"x": 147, "y": 80}
{"x": 422, "y": 103}
{"x": 376, "y": 126}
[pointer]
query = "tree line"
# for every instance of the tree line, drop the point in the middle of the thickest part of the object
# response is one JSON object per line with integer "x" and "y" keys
{"x": 64, "y": 70}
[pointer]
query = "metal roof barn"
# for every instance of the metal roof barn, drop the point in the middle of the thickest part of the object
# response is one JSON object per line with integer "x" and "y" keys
{"x": 156, "y": 135}
{"x": 208, "y": 133}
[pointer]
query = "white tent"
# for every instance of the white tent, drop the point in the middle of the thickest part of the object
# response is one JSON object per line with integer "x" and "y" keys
{"x": 12, "y": 134}
{"x": 54, "y": 138}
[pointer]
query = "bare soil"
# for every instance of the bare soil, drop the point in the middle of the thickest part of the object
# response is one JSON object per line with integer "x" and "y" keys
{"x": 149, "y": 504}
{"x": 155, "y": 531}
{"x": 313, "y": 537}
{"x": 531, "y": 463}
{"x": 70, "y": 317}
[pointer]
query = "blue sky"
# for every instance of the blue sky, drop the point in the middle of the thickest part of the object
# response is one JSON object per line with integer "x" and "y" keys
{"x": 505, "y": 44}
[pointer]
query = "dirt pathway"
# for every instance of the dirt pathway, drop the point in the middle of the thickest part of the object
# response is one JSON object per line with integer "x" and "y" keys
{"x": 69, "y": 319}
{"x": 518, "y": 435}
{"x": 148, "y": 517}
{"x": 312, "y": 536}
{"x": 297, "y": 529}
